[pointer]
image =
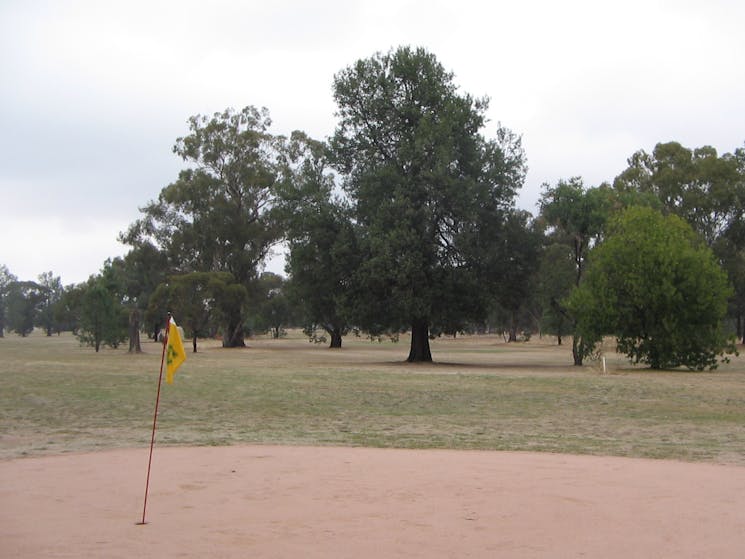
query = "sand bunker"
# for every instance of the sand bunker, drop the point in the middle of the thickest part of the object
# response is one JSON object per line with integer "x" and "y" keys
{"x": 301, "y": 502}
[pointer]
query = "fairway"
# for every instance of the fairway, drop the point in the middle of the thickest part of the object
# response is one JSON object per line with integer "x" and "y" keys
{"x": 481, "y": 393}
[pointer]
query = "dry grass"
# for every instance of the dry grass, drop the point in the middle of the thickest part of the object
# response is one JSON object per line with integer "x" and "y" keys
{"x": 481, "y": 393}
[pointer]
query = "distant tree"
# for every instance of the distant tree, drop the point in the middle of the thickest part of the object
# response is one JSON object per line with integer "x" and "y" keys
{"x": 517, "y": 251}
{"x": 323, "y": 254}
{"x": 555, "y": 279}
{"x": 704, "y": 189}
{"x": 6, "y": 279}
{"x": 193, "y": 299}
{"x": 219, "y": 215}
{"x": 23, "y": 300}
{"x": 104, "y": 320}
{"x": 276, "y": 312}
{"x": 142, "y": 269}
{"x": 51, "y": 290}
{"x": 67, "y": 310}
{"x": 577, "y": 216}
{"x": 659, "y": 289}
{"x": 425, "y": 188}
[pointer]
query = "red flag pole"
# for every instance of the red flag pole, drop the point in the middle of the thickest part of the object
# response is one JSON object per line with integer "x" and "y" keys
{"x": 155, "y": 419}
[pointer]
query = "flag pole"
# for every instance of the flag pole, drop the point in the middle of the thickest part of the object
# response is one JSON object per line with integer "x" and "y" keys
{"x": 155, "y": 419}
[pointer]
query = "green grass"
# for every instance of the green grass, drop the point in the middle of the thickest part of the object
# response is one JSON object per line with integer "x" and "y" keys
{"x": 481, "y": 393}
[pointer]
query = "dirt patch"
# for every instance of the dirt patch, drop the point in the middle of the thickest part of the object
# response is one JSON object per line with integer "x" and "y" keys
{"x": 278, "y": 501}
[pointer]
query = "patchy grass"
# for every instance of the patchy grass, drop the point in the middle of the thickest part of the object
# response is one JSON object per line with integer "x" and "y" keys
{"x": 56, "y": 396}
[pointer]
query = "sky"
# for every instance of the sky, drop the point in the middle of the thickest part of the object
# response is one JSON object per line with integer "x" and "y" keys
{"x": 93, "y": 95}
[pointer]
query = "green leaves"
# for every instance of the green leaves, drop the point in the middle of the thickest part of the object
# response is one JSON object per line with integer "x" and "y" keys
{"x": 655, "y": 286}
{"x": 425, "y": 186}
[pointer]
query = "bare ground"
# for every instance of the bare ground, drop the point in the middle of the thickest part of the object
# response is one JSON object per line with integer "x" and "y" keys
{"x": 327, "y": 502}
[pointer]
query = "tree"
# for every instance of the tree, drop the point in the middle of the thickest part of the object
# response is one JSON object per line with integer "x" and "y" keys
{"x": 273, "y": 309}
{"x": 517, "y": 251}
{"x": 50, "y": 287}
{"x": 323, "y": 253}
{"x": 219, "y": 215}
{"x": 425, "y": 186}
{"x": 104, "y": 320}
{"x": 6, "y": 279}
{"x": 141, "y": 270}
{"x": 23, "y": 300}
{"x": 577, "y": 216}
{"x": 555, "y": 280}
{"x": 191, "y": 297}
{"x": 659, "y": 289}
{"x": 705, "y": 189}
{"x": 67, "y": 309}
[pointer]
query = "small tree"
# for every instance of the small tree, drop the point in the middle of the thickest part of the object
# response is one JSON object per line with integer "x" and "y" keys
{"x": 103, "y": 320}
{"x": 23, "y": 300}
{"x": 517, "y": 251}
{"x": 656, "y": 286}
{"x": 6, "y": 279}
{"x": 50, "y": 289}
{"x": 554, "y": 282}
{"x": 577, "y": 216}
{"x": 323, "y": 253}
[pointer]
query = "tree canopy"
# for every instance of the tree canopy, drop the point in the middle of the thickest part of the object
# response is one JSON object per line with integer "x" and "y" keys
{"x": 425, "y": 185}
{"x": 219, "y": 214}
{"x": 323, "y": 254}
{"x": 577, "y": 216}
{"x": 655, "y": 286}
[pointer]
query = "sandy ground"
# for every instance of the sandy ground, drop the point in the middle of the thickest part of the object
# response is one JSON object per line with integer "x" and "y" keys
{"x": 274, "y": 501}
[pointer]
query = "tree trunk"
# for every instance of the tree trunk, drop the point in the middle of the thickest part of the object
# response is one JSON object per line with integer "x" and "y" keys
{"x": 419, "y": 351}
{"x": 335, "y": 334}
{"x": 194, "y": 342}
{"x": 513, "y": 327}
{"x": 576, "y": 353}
{"x": 233, "y": 336}
{"x": 134, "y": 331}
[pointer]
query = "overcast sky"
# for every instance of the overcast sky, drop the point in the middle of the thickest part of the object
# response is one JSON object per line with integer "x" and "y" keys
{"x": 94, "y": 93}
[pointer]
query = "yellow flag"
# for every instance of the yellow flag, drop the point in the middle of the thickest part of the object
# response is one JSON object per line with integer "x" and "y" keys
{"x": 175, "y": 354}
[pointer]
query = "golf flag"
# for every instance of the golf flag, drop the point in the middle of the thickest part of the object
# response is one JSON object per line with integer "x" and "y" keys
{"x": 175, "y": 354}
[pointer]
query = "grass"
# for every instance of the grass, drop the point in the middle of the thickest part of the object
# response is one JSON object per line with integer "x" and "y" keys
{"x": 56, "y": 397}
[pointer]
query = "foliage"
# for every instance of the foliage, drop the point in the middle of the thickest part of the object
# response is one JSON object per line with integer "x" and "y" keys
{"x": 516, "y": 254}
{"x": 103, "y": 319}
{"x": 658, "y": 289}
{"x": 203, "y": 303}
{"x": 426, "y": 188}
{"x": 577, "y": 216}
{"x": 555, "y": 280}
{"x": 219, "y": 215}
{"x": 50, "y": 289}
{"x": 141, "y": 270}
{"x": 274, "y": 310}
{"x": 705, "y": 189}
{"x": 323, "y": 253}
{"x": 67, "y": 309}
{"x": 22, "y": 300}
{"x": 6, "y": 279}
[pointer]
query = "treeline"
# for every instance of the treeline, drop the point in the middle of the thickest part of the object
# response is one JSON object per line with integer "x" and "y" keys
{"x": 405, "y": 220}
